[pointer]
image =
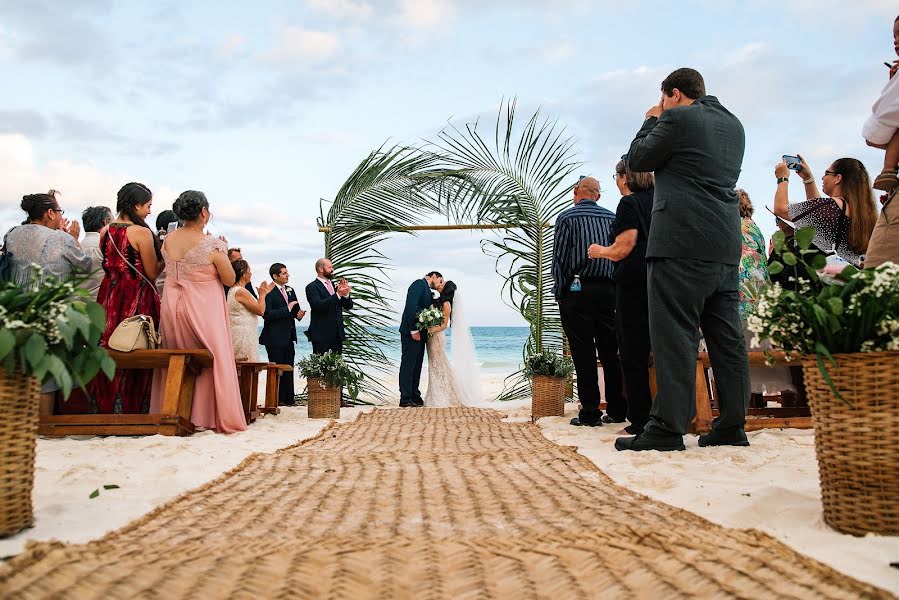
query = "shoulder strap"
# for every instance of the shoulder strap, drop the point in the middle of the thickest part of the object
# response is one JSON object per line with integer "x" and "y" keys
{"x": 136, "y": 270}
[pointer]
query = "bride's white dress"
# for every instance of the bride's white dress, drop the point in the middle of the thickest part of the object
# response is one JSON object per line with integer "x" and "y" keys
{"x": 456, "y": 382}
{"x": 442, "y": 388}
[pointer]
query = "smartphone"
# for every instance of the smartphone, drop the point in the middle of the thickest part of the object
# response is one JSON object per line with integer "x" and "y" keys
{"x": 794, "y": 163}
{"x": 171, "y": 227}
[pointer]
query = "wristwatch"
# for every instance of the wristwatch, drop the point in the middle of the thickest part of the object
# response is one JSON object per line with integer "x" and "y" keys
{"x": 782, "y": 179}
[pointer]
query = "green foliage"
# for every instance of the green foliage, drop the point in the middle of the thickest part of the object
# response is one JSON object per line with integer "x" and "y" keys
{"x": 548, "y": 363}
{"x": 331, "y": 367}
{"x": 53, "y": 329}
{"x": 857, "y": 312}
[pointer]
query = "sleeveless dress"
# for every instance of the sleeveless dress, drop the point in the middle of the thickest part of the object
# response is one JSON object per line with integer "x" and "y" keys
{"x": 123, "y": 293}
{"x": 244, "y": 328}
{"x": 194, "y": 316}
{"x": 443, "y": 391}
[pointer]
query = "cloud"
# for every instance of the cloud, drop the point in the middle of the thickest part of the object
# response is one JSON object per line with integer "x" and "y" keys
{"x": 354, "y": 10}
{"x": 421, "y": 19}
{"x": 229, "y": 47}
{"x": 299, "y": 46}
{"x": 27, "y": 122}
{"x": 557, "y": 52}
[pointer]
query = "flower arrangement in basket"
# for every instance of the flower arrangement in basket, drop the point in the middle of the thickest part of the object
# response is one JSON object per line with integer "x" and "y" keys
{"x": 52, "y": 329}
{"x": 329, "y": 369}
{"x": 47, "y": 330}
{"x": 549, "y": 373}
{"x": 857, "y": 312}
{"x": 429, "y": 317}
{"x": 848, "y": 333}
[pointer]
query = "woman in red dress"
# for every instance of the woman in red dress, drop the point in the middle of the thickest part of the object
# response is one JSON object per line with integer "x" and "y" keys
{"x": 131, "y": 262}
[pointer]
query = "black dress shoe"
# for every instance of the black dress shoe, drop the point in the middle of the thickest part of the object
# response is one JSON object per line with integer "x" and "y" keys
{"x": 287, "y": 403}
{"x": 648, "y": 441}
{"x": 578, "y": 423}
{"x": 731, "y": 437}
{"x": 607, "y": 419}
{"x": 634, "y": 429}
{"x": 407, "y": 405}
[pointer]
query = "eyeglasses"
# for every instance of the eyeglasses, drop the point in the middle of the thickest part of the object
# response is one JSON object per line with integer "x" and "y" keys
{"x": 831, "y": 173}
{"x": 59, "y": 210}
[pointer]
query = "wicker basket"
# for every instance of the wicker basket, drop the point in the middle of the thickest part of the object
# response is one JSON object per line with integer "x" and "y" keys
{"x": 547, "y": 396}
{"x": 858, "y": 456}
{"x": 324, "y": 399}
{"x": 19, "y": 401}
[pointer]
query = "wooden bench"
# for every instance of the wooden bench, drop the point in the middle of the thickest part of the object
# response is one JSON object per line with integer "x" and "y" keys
{"x": 273, "y": 387}
{"x": 248, "y": 379}
{"x": 174, "y": 419}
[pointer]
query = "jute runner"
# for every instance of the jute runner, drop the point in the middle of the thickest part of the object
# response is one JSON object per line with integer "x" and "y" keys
{"x": 422, "y": 503}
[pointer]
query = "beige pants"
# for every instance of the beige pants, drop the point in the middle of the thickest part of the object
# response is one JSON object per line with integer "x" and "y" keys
{"x": 884, "y": 244}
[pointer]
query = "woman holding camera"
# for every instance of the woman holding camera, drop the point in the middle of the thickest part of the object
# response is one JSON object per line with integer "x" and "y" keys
{"x": 843, "y": 219}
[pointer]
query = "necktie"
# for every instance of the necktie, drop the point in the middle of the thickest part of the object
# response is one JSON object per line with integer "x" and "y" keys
{"x": 283, "y": 293}
{"x": 329, "y": 287}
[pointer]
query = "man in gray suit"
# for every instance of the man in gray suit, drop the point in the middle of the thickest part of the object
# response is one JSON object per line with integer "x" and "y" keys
{"x": 695, "y": 147}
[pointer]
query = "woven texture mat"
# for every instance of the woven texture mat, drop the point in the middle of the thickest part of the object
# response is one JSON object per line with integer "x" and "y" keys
{"x": 422, "y": 503}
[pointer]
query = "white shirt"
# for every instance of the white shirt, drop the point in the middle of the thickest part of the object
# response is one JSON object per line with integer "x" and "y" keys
{"x": 91, "y": 246}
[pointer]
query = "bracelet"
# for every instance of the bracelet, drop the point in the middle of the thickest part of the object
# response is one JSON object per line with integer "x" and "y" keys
{"x": 782, "y": 180}
{"x": 808, "y": 181}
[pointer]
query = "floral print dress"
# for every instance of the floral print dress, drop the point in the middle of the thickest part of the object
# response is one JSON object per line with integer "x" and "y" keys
{"x": 753, "y": 266}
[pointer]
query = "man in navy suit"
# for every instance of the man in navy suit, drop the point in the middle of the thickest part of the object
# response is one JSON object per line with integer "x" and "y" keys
{"x": 279, "y": 333}
{"x": 326, "y": 306}
{"x": 411, "y": 340}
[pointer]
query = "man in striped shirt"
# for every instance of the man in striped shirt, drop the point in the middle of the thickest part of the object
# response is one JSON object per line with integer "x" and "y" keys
{"x": 585, "y": 291}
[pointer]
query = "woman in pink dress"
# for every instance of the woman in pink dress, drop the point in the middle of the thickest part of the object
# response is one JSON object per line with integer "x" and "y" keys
{"x": 194, "y": 315}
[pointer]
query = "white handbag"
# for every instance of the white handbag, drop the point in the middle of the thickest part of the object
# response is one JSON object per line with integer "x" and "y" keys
{"x": 134, "y": 333}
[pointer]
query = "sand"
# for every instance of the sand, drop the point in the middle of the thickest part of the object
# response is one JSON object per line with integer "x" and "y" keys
{"x": 772, "y": 486}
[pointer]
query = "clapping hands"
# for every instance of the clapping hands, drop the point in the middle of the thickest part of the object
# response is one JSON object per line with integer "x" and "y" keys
{"x": 73, "y": 228}
{"x": 343, "y": 288}
{"x": 265, "y": 288}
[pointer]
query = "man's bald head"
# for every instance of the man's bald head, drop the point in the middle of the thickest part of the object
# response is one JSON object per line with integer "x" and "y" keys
{"x": 586, "y": 189}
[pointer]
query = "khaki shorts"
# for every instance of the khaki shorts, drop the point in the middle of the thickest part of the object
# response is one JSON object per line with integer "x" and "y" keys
{"x": 884, "y": 244}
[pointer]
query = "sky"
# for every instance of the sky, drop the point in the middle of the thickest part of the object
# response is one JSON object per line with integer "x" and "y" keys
{"x": 268, "y": 107}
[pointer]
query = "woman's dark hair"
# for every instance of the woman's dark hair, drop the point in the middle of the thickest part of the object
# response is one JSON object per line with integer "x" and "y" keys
{"x": 136, "y": 194}
{"x": 164, "y": 219}
{"x": 637, "y": 181}
{"x": 859, "y": 197}
{"x": 447, "y": 295}
{"x": 688, "y": 81}
{"x": 37, "y": 205}
{"x": 190, "y": 204}
{"x": 240, "y": 267}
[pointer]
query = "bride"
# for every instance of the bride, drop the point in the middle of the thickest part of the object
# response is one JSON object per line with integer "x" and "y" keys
{"x": 456, "y": 382}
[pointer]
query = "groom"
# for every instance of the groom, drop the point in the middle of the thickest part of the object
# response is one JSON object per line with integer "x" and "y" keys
{"x": 413, "y": 343}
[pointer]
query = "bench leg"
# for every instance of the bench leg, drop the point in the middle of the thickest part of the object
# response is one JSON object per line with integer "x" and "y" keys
{"x": 177, "y": 399}
{"x": 272, "y": 387}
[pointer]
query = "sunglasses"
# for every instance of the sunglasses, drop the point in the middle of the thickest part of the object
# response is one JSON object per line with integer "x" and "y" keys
{"x": 831, "y": 173}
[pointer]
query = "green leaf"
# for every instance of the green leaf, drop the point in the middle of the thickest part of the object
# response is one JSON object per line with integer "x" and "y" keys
{"x": 95, "y": 493}
{"x": 804, "y": 237}
{"x": 81, "y": 323}
{"x": 836, "y": 305}
{"x": 789, "y": 258}
{"x": 35, "y": 349}
{"x": 847, "y": 273}
{"x": 775, "y": 268}
{"x": 819, "y": 262}
{"x": 97, "y": 315}
{"x": 7, "y": 342}
{"x": 110, "y": 486}
{"x": 107, "y": 365}
{"x": 779, "y": 240}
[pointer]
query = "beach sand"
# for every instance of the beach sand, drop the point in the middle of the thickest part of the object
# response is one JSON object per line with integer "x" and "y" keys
{"x": 771, "y": 486}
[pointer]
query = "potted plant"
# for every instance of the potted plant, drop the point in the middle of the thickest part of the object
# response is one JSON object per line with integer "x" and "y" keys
{"x": 51, "y": 330}
{"x": 549, "y": 373}
{"x": 326, "y": 374}
{"x": 847, "y": 330}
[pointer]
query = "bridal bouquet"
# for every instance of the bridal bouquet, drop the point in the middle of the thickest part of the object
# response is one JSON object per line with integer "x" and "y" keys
{"x": 429, "y": 317}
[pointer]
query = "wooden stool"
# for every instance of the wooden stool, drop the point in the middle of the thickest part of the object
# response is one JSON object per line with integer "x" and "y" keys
{"x": 272, "y": 387}
{"x": 248, "y": 378}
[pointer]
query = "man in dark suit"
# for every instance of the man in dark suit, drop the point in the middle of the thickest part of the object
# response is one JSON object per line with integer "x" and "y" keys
{"x": 411, "y": 340}
{"x": 279, "y": 332}
{"x": 326, "y": 305}
{"x": 695, "y": 146}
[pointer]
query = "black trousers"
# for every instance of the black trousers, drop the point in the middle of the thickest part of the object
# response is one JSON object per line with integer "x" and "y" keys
{"x": 334, "y": 346}
{"x": 588, "y": 318}
{"x": 411, "y": 361}
{"x": 684, "y": 295}
{"x": 284, "y": 355}
{"x": 632, "y": 320}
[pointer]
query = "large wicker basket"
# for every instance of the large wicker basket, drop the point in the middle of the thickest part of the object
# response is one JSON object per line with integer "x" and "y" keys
{"x": 547, "y": 396}
{"x": 324, "y": 399}
{"x": 19, "y": 400}
{"x": 856, "y": 443}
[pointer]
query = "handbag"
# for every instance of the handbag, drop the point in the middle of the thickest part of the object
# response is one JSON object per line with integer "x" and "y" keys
{"x": 134, "y": 333}
{"x": 137, "y": 332}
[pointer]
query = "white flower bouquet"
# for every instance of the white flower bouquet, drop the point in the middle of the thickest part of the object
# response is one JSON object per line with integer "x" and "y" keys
{"x": 429, "y": 317}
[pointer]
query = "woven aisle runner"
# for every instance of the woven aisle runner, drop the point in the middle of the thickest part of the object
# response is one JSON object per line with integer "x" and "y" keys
{"x": 422, "y": 503}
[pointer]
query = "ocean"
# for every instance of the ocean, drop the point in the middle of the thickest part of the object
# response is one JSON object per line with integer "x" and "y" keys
{"x": 499, "y": 349}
